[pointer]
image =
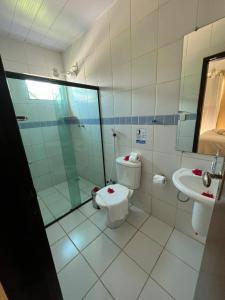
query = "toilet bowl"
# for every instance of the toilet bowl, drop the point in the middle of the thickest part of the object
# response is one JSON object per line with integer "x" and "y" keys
{"x": 120, "y": 202}
{"x": 114, "y": 198}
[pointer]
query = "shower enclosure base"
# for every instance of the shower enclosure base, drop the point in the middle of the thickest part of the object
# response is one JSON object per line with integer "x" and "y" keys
{"x": 55, "y": 201}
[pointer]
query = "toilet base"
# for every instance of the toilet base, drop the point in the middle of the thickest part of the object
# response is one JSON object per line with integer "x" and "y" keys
{"x": 113, "y": 225}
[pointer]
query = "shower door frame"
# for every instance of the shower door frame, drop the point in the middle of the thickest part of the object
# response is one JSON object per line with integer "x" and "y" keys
{"x": 23, "y": 76}
{"x": 27, "y": 268}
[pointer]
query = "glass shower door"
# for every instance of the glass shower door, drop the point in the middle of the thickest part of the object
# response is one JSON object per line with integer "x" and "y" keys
{"x": 42, "y": 109}
{"x": 71, "y": 185}
{"x": 86, "y": 132}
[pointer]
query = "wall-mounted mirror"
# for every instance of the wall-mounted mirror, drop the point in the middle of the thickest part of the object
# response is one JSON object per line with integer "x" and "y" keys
{"x": 201, "y": 125}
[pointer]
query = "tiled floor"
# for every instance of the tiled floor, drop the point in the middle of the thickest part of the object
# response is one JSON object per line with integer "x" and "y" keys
{"x": 55, "y": 201}
{"x": 143, "y": 259}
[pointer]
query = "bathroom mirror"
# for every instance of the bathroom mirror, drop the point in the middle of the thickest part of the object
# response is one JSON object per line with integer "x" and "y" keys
{"x": 201, "y": 124}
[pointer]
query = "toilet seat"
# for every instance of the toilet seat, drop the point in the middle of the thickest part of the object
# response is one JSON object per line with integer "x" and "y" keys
{"x": 121, "y": 192}
{"x": 115, "y": 203}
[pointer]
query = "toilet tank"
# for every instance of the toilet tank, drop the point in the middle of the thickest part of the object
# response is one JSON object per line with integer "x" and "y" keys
{"x": 128, "y": 173}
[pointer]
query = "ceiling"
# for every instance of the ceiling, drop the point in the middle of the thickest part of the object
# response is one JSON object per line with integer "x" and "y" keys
{"x": 54, "y": 24}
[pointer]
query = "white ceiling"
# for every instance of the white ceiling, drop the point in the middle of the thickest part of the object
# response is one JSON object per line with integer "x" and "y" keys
{"x": 49, "y": 23}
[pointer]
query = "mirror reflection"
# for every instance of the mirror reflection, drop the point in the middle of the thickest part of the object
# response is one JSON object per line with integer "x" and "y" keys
{"x": 211, "y": 137}
{"x": 201, "y": 128}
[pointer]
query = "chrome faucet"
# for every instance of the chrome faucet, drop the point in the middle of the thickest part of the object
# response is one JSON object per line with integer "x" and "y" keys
{"x": 208, "y": 176}
{"x": 214, "y": 163}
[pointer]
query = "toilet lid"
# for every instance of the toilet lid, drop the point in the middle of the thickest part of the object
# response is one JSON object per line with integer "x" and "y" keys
{"x": 106, "y": 199}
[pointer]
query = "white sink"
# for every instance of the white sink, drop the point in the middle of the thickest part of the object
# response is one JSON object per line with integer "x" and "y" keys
{"x": 192, "y": 186}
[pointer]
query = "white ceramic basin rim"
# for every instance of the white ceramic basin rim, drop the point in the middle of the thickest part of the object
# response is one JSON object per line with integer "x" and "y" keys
{"x": 192, "y": 186}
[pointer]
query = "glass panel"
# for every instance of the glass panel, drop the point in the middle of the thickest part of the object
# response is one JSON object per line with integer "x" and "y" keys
{"x": 68, "y": 153}
{"x": 86, "y": 132}
{"x": 62, "y": 140}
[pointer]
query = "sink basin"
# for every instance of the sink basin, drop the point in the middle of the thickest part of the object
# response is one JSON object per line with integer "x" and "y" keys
{"x": 192, "y": 186}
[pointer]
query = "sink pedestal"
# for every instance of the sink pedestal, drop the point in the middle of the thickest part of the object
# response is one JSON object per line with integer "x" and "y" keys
{"x": 201, "y": 217}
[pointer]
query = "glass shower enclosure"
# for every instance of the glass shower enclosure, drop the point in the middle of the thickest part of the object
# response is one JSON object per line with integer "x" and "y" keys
{"x": 60, "y": 126}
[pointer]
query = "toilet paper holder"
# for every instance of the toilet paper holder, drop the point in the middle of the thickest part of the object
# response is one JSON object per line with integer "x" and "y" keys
{"x": 160, "y": 179}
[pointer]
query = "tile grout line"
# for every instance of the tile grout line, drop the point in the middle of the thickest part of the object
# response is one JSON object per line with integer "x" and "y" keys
{"x": 102, "y": 231}
{"x": 122, "y": 249}
{"x": 80, "y": 252}
{"x": 152, "y": 272}
{"x": 67, "y": 234}
{"x": 149, "y": 274}
{"x": 99, "y": 276}
{"x": 178, "y": 256}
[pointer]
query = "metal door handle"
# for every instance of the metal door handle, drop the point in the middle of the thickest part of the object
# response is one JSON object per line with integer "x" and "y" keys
{"x": 21, "y": 118}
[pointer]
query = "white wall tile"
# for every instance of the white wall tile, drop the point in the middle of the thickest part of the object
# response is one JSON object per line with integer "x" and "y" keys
{"x": 120, "y": 48}
{"x": 164, "y": 163}
{"x": 14, "y": 66}
{"x": 130, "y": 29}
{"x": 141, "y": 8}
{"x": 164, "y": 211}
{"x": 144, "y": 35}
{"x": 210, "y": 11}
{"x": 146, "y": 158}
{"x": 122, "y": 103}
{"x": 28, "y": 58}
{"x": 166, "y": 193}
{"x": 146, "y": 183}
{"x": 39, "y": 167}
{"x": 162, "y": 2}
{"x": 47, "y": 111}
{"x": 217, "y": 33}
{"x": 143, "y": 101}
{"x": 43, "y": 182}
{"x": 122, "y": 150}
{"x": 124, "y": 135}
{"x": 199, "y": 41}
{"x": 50, "y": 134}
{"x": 13, "y": 50}
{"x": 176, "y": 18}
{"x": 199, "y": 162}
{"x": 35, "y": 152}
{"x": 142, "y": 201}
{"x": 122, "y": 77}
{"x": 169, "y": 62}
{"x": 35, "y": 53}
{"x": 18, "y": 90}
{"x": 107, "y": 133}
{"x": 119, "y": 17}
{"x": 32, "y": 136}
{"x": 168, "y": 96}
{"x": 144, "y": 70}
{"x": 107, "y": 103}
{"x": 165, "y": 138}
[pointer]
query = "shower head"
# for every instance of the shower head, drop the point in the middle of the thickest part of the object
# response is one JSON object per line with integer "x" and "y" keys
{"x": 74, "y": 71}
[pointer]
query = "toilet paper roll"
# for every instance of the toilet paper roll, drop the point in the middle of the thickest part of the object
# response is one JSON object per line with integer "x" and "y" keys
{"x": 159, "y": 179}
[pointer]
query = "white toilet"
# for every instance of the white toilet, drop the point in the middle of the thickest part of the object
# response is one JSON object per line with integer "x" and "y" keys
{"x": 116, "y": 203}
